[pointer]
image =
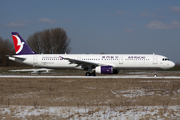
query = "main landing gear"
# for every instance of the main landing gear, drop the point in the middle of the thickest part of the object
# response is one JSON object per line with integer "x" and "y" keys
{"x": 90, "y": 74}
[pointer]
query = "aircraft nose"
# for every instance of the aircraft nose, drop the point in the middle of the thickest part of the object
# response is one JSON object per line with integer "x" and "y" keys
{"x": 172, "y": 64}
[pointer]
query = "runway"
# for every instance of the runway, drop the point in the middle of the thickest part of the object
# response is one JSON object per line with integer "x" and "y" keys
{"x": 92, "y": 77}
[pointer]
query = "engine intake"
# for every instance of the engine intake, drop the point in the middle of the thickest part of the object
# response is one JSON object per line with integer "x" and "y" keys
{"x": 106, "y": 70}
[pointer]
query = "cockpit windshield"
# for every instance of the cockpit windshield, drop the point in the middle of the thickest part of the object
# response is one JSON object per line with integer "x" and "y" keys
{"x": 165, "y": 59}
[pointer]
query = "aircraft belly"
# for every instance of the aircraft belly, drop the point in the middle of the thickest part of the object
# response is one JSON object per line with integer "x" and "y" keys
{"x": 138, "y": 66}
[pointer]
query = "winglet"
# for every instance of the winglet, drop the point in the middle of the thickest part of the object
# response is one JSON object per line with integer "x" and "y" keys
{"x": 20, "y": 45}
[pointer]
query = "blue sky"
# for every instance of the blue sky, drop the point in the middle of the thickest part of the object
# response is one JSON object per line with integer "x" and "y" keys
{"x": 100, "y": 26}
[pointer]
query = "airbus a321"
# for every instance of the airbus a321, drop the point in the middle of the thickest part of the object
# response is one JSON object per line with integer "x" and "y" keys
{"x": 92, "y": 63}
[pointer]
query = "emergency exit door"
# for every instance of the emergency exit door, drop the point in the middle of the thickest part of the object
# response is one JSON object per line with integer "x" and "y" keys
{"x": 35, "y": 59}
{"x": 120, "y": 60}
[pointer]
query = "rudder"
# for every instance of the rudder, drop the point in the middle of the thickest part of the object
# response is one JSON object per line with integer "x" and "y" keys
{"x": 20, "y": 45}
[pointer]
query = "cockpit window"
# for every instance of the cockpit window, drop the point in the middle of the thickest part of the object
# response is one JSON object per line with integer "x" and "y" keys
{"x": 165, "y": 59}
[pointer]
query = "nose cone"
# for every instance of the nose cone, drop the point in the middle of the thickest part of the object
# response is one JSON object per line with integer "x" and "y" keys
{"x": 168, "y": 65}
{"x": 171, "y": 64}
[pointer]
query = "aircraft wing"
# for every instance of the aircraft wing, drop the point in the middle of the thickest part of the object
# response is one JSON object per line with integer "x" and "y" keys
{"x": 84, "y": 64}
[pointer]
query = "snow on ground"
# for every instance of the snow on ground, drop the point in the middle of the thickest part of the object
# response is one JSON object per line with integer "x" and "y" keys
{"x": 91, "y": 112}
{"x": 135, "y": 93}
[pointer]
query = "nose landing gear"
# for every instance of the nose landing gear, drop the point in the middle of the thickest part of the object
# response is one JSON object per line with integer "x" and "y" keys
{"x": 155, "y": 74}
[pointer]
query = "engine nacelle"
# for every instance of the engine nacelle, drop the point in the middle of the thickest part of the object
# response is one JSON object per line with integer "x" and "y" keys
{"x": 106, "y": 70}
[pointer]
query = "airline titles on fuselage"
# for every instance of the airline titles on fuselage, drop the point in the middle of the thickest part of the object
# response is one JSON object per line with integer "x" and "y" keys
{"x": 109, "y": 57}
{"x": 136, "y": 57}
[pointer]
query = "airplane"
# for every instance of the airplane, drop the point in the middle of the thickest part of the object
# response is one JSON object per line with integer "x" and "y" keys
{"x": 92, "y": 63}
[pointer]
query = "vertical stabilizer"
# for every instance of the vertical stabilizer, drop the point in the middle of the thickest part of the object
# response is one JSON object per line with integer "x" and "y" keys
{"x": 20, "y": 45}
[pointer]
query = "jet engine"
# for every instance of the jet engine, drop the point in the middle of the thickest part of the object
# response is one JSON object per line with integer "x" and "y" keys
{"x": 106, "y": 70}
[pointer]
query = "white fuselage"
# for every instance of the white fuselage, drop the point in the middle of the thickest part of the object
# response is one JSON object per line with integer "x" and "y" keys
{"x": 118, "y": 61}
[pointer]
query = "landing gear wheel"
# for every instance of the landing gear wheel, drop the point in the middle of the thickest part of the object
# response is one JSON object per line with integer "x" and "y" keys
{"x": 88, "y": 74}
{"x": 93, "y": 74}
{"x": 155, "y": 75}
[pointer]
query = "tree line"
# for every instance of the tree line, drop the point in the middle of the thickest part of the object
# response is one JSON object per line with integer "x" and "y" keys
{"x": 6, "y": 48}
{"x": 49, "y": 41}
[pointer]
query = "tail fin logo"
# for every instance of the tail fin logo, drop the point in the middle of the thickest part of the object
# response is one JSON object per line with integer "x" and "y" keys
{"x": 17, "y": 43}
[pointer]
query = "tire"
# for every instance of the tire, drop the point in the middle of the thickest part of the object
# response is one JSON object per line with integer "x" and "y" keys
{"x": 155, "y": 75}
{"x": 93, "y": 74}
{"x": 88, "y": 74}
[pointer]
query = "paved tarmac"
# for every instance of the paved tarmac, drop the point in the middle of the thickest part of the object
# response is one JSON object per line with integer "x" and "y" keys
{"x": 92, "y": 77}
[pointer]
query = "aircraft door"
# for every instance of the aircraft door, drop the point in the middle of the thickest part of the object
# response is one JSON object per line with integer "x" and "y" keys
{"x": 79, "y": 58}
{"x": 35, "y": 59}
{"x": 155, "y": 59}
{"x": 120, "y": 60}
